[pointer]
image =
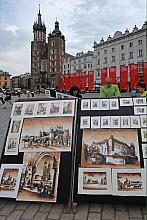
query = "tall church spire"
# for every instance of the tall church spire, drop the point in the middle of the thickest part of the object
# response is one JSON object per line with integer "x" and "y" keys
{"x": 39, "y": 17}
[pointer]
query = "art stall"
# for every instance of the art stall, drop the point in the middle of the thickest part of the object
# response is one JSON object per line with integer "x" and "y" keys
{"x": 37, "y": 155}
{"x": 111, "y": 153}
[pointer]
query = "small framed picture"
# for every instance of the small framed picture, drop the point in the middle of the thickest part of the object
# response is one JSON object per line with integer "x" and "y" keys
{"x": 143, "y": 119}
{"x": 105, "y": 122}
{"x": 41, "y": 109}
{"x": 115, "y": 121}
{"x": 126, "y": 102}
{"x": 140, "y": 101}
{"x": 29, "y": 110}
{"x": 68, "y": 108}
{"x": 125, "y": 122}
{"x": 144, "y": 151}
{"x": 114, "y": 104}
{"x": 94, "y": 181}
{"x": 140, "y": 110}
{"x": 104, "y": 104}
{"x": 129, "y": 182}
{"x": 95, "y": 122}
{"x": 85, "y": 122}
{"x": 15, "y": 126}
{"x": 145, "y": 164}
{"x": 17, "y": 110}
{"x": 95, "y": 104}
{"x": 9, "y": 180}
{"x": 12, "y": 143}
{"x": 85, "y": 104}
{"x": 135, "y": 121}
{"x": 55, "y": 108}
{"x": 144, "y": 134}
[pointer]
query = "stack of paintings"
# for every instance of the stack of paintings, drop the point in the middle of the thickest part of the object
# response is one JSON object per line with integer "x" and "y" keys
{"x": 111, "y": 150}
{"x": 41, "y": 131}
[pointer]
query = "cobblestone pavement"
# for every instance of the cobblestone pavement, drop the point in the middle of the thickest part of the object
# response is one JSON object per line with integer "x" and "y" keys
{"x": 12, "y": 210}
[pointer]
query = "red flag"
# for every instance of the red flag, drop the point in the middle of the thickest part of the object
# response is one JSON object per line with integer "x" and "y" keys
{"x": 78, "y": 79}
{"x": 133, "y": 75}
{"x": 112, "y": 74}
{"x": 103, "y": 76}
{"x": 62, "y": 82}
{"x": 90, "y": 80}
{"x": 67, "y": 82}
{"x": 83, "y": 81}
{"x": 72, "y": 79}
{"x": 123, "y": 78}
{"x": 145, "y": 72}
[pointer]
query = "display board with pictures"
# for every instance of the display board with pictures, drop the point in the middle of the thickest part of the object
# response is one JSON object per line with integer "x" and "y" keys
{"x": 111, "y": 150}
{"x": 37, "y": 149}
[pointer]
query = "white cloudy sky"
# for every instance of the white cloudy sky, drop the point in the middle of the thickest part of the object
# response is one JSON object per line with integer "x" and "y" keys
{"x": 81, "y": 21}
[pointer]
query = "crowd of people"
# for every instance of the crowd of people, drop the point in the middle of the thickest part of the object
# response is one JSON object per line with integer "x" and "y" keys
{"x": 107, "y": 91}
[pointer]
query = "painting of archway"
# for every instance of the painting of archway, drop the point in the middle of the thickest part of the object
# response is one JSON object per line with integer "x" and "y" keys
{"x": 39, "y": 179}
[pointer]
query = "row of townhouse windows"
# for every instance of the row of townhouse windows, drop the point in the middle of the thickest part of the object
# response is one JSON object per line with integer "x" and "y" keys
{"x": 122, "y": 47}
{"x": 122, "y": 57}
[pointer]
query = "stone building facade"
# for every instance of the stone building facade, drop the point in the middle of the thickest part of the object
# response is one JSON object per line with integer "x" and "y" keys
{"x": 121, "y": 49}
{"x": 4, "y": 79}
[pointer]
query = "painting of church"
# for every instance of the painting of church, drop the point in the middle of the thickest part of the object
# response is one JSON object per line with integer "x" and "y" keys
{"x": 39, "y": 179}
{"x": 110, "y": 151}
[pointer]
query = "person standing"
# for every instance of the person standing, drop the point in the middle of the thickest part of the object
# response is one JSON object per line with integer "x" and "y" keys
{"x": 8, "y": 98}
{"x": 141, "y": 89}
{"x": 109, "y": 90}
{"x": 2, "y": 96}
{"x": 75, "y": 91}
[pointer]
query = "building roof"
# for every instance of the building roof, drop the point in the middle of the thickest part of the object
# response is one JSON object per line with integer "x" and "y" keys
{"x": 4, "y": 73}
{"x": 38, "y": 24}
{"x": 119, "y": 35}
{"x": 56, "y": 32}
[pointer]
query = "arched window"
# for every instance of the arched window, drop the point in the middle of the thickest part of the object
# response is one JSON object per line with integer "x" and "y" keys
{"x": 44, "y": 65}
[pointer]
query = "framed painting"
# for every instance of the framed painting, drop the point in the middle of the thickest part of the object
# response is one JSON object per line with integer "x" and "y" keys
{"x": 94, "y": 181}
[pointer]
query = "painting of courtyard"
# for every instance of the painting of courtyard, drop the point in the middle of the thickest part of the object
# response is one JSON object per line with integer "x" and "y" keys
{"x": 46, "y": 134}
{"x": 110, "y": 148}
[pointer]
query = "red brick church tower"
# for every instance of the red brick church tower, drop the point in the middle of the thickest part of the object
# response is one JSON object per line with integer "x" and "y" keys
{"x": 46, "y": 58}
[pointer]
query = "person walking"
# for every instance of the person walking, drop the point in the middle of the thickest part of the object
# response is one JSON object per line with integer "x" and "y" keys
{"x": 109, "y": 90}
{"x": 8, "y": 98}
{"x": 2, "y": 96}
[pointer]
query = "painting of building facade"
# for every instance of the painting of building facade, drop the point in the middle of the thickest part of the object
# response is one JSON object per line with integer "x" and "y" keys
{"x": 110, "y": 148}
{"x": 39, "y": 179}
{"x": 9, "y": 180}
{"x": 46, "y": 134}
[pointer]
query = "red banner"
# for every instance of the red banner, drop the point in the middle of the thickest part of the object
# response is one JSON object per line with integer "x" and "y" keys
{"x": 112, "y": 74}
{"x": 145, "y": 72}
{"x": 123, "y": 78}
{"x": 133, "y": 75}
{"x": 72, "y": 79}
{"x": 83, "y": 81}
{"x": 103, "y": 76}
{"x": 78, "y": 79}
{"x": 90, "y": 80}
{"x": 67, "y": 81}
{"x": 62, "y": 82}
